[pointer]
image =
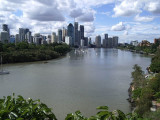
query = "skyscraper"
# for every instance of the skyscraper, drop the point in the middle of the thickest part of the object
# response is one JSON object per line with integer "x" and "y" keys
{"x": 76, "y": 34}
{"x": 105, "y": 40}
{"x": 23, "y": 34}
{"x": 64, "y": 33}
{"x": 115, "y": 41}
{"x": 110, "y": 42}
{"x": 85, "y": 41}
{"x": 59, "y": 35}
{"x": 82, "y": 31}
{"x": 5, "y": 28}
{"x": 53, "y": 37}
{"x": 70, "y": 32}
{"x": 28, "y": 36}
{"x": 98, "y": 41}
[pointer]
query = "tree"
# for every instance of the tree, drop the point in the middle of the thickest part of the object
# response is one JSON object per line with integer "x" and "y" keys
{"x": 18, "y": 108}
{"x": 138, "y": 77}
{"x": 155, "y": 62}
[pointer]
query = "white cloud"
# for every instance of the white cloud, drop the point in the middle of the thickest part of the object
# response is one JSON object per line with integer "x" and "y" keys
{"x": 153, "y": 6}
{"x": 127, "y": 8}
{"x": 118, "y": 27}
{"x": 143, "y": 18}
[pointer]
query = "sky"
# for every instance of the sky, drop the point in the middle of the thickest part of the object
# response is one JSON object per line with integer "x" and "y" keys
{"x": 127, "y": 19}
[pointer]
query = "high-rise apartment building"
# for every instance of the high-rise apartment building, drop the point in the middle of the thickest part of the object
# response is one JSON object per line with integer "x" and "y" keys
{"x": 115, "y": 41}
{"x": 105, "y": 41}
{"x": 98, "y": 41}
{"x": 110, "y": 42}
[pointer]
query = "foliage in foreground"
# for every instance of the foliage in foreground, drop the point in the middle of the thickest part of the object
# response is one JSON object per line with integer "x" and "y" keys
{"x": 18, "y": 108}
{"x": 12, "y": 108}
{"x": 104, "y": 114}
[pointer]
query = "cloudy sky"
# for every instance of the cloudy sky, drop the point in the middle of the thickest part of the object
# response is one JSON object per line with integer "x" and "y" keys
{"x": 128, "y": 19}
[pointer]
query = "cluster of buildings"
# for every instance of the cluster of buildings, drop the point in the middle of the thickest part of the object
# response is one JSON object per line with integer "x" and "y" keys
{"x": 108, "y": 42}
{"x": 73, "y": 35}
{"x": 144, "y": 42}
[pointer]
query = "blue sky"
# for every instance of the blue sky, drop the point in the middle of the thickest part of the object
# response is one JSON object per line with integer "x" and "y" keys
{"x": 127, "y": 19}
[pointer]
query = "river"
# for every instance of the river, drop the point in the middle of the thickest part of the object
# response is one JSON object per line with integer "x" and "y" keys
{"x": 76, "y": 82}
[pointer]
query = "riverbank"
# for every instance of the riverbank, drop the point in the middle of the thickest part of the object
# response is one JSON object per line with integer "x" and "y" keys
{"x": 144, "y": 91}
{"x": 24, "y": 52}
{"x": 137, "y": 51}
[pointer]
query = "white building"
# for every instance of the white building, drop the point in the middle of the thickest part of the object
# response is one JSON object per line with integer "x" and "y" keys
{"x": 68, "y": 40}
{"x": 134, "y": 43}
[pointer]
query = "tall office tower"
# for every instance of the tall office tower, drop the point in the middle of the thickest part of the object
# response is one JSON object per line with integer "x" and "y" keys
{"x": 115, "y": 41}
{"x": 4, "y": 37}
{"x": 79, "y": 38}
{"x": 53, "y": 37}
{"x": 22, "y": 34}
{"x": 17, "y": 38}
{"x": 64, "y": 33}
{"x": 98, "y": 41}
{"x": 82, "y": 31}
{"x": 70, "y": 32}
{"x": 28, "y": 36}
{"x": 110, "y": 42}
{"x": 59, "y": 36}
{"x": 76, "y": 33}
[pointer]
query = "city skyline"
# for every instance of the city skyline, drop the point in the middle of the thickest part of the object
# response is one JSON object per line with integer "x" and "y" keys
{"x": 128, "y": 19}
